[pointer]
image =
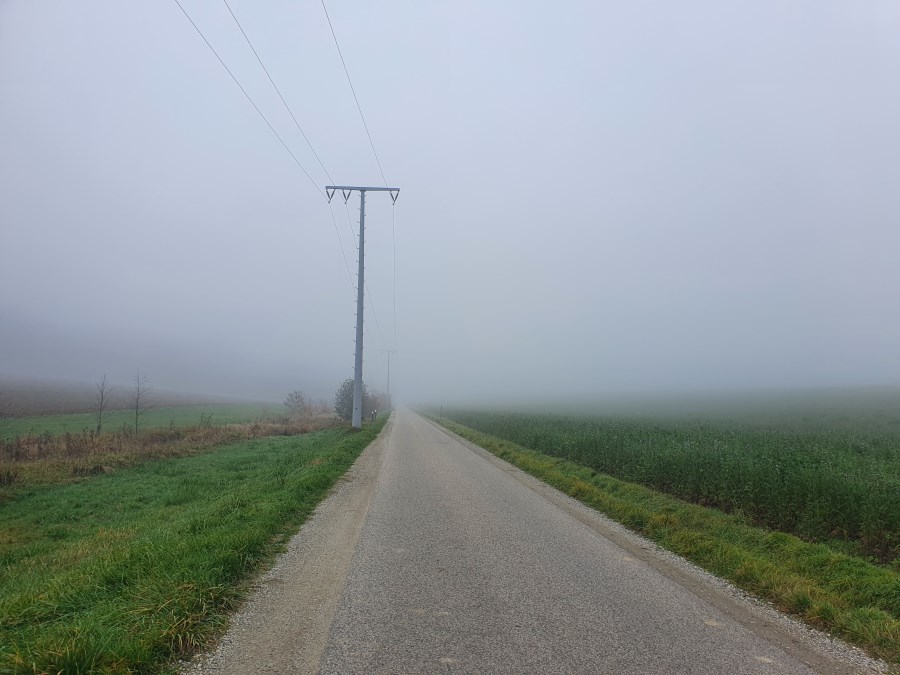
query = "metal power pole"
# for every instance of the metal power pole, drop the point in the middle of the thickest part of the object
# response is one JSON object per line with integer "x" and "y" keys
{"x": 346, "y": 191}
{"x": 389, "y": 352}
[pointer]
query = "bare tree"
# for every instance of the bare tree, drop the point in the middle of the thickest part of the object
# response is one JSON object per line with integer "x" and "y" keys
{"x": 140, "y": 398}
{"x": 294, "y": 402}
{"x": 101, "y": 402}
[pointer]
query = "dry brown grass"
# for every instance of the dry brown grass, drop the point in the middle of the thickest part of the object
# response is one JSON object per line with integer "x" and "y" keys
{"x": 47, "y": 459}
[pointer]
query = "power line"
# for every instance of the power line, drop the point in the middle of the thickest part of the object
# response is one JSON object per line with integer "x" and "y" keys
{"x": 255, "y": 107}
{"x": 244, "y": 91}
{"x": 380, "y": 169}
{"x": 355, "y": 97}
{"x": 278, "y": 91}
{"x": 350, "y": 223}
{"x": 341, "y": 244}
{"x": 299, "y": 128}
{"x": 375, "y": 314}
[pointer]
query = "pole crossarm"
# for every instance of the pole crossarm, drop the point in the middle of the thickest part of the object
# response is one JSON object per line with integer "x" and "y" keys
{"x": 346, "y": 190}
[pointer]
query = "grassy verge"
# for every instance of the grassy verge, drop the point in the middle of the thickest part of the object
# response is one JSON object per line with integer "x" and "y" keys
{"x": 129, "y": 570}
{"x": 845, "y": 595}
{"x": 115, "y": 420}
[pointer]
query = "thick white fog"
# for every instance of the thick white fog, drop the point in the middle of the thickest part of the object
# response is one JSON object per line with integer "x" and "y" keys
{"x": 596, "y": 197}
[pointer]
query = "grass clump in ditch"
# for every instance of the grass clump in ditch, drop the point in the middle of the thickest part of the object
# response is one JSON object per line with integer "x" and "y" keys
{"x": 130, "y": 570}
{"x": 846, "y": 595}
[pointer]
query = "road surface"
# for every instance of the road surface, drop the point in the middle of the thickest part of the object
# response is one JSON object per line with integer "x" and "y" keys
{"x": 445, "y": 559}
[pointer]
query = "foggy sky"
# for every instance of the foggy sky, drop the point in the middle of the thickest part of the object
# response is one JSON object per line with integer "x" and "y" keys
{"x": 595, "y": 196}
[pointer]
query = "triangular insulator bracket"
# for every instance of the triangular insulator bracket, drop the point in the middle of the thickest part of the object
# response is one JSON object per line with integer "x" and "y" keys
{"x": 346, "y": 194}
{"x": 394, "y": 194}
{"x": 330, "y": 193}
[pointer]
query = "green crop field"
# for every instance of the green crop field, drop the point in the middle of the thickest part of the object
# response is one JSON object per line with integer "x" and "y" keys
{"x": 126, "y": 571}
{"x": 840, "y": 486}
{"x": 177, "y": 416}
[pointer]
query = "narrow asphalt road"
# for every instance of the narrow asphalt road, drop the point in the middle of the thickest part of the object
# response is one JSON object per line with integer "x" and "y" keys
{"x": 460, "y": 567}
{"x": 433, "y": 556}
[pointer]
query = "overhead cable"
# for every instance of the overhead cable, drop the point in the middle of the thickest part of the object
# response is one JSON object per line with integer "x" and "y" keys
{"x": 374, "y": 314}
{"x": 380, "y": 169}
{"x": 277, "y": 90}
{"x": 255, "y": 107}
{"x": 341, "y": 244}
{"x": 355, "y": 97}
{"x": 244, "y": 91}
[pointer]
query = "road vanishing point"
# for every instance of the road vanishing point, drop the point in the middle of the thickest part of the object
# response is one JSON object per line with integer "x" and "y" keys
{"x": 433, "y": 556}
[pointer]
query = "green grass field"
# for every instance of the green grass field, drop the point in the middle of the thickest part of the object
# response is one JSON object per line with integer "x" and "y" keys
{"x": 846, "y": 595}
{"x": 125, "y": 572}
{"x": 840, "y": 486}
{"x": 114, "y": 420}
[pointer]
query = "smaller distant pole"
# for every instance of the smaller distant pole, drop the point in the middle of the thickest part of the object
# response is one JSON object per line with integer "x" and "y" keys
{"x": 389, "y": 352}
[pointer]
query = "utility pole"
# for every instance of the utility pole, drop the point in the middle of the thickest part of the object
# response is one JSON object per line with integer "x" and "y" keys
{"x": 389, "y": 352}
{"x": 346, "y": 191}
